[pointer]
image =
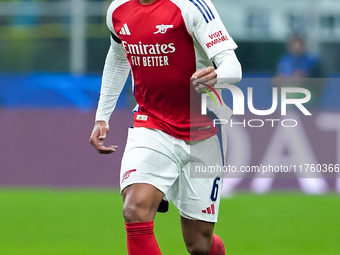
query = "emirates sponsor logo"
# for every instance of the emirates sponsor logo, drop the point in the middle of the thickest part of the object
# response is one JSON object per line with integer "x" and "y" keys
{"x": 148, "y": 49}
{"x": 149, "y": 55}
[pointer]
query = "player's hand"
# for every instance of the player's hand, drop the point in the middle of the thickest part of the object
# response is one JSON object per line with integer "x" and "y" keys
{"x": 101, "y": 128}
{"x": 206, "y": 76}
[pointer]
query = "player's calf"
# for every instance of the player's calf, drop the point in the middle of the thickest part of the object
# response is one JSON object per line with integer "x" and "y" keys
{"x": 140, "y": 206}
{"x": 141, "y": 239}
{"x": 197, "y": 235}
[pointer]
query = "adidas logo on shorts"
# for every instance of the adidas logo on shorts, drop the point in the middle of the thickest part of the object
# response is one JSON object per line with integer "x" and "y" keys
{"x": 209, "y": 210}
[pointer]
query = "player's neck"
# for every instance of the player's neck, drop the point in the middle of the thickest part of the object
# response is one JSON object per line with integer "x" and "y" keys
{"x": 146, "y": 1}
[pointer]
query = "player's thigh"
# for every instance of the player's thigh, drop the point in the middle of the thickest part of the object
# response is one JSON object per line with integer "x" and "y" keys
{"x": 147, "y": 173}
{"x": 197, "y": 235}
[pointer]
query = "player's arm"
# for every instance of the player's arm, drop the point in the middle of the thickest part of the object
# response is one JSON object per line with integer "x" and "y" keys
{"x": 115, "y": 73}
{"x": 218, "y": 45}
{"x": 228, "y": 71}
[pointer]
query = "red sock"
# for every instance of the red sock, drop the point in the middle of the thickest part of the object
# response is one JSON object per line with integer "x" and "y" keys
{"x": 217, "y": 247}
{"x": 141, "y": 239}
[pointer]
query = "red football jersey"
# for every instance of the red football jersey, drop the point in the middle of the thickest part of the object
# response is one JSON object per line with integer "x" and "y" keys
{"x": 165, "y": 43}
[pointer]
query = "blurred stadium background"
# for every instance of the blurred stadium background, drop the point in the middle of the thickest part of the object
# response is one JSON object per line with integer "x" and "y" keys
{"x": 58, "y": 196}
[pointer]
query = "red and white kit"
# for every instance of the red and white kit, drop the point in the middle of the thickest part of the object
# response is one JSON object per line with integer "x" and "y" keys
{"x": 163, "y": 44}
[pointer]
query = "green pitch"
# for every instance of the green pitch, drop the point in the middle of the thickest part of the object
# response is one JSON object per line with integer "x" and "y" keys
{"x": 84, "y": 222}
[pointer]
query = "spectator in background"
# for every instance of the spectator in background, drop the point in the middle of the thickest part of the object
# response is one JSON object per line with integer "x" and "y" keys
{"x": 296, "y": 65}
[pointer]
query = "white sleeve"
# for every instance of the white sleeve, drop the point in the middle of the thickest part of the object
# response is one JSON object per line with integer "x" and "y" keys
{"x": 229, "y": 69}
{"x": 210, "y": 31}
{"x": 115, "y": 73}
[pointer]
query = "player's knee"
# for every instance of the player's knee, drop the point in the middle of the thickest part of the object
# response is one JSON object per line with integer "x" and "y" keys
{"x": 198, "y": 244}
{"x": 135, "y": 213}
{"x": 131, "y": 213}
{"x": 198, "y": 247}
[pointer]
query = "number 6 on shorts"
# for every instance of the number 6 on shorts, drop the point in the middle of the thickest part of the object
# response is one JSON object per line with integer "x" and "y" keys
{"x": 214, "y": 191}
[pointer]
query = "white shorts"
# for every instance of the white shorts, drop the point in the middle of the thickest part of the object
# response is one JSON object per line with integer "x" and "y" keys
{"x": 151, "y": 156}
